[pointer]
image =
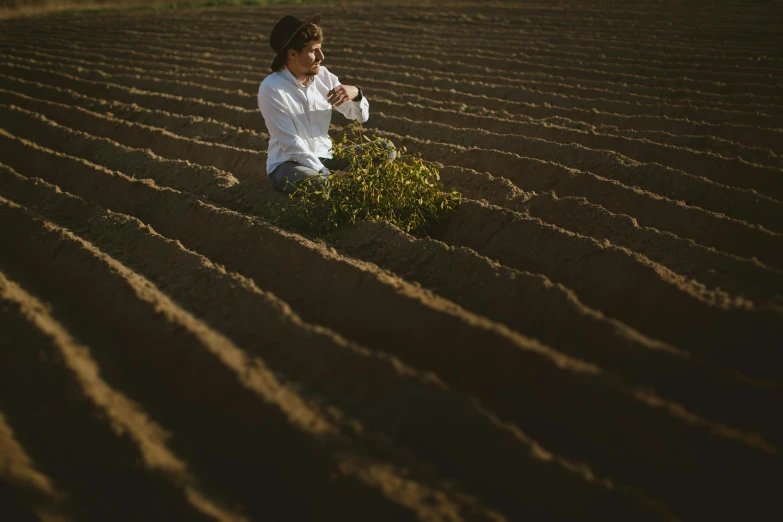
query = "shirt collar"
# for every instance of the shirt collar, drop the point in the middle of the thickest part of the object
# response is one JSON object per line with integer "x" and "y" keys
{"x": 288, "y": 75}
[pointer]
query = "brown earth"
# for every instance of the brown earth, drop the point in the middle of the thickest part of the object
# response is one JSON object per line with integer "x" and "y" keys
{"x": 593, "y": 334}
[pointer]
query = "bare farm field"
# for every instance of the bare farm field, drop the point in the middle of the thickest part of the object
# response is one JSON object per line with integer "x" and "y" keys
{"x": 594, "y": 333}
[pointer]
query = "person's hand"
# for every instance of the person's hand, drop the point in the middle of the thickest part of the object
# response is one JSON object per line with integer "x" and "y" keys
{"x": 342, "y": 94}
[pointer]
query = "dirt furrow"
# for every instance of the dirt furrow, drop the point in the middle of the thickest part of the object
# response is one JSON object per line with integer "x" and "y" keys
{"x": 199, "y": 127}
{"x": 742, "y": 204}
{"x": 350, "y": 31}
{"x": 244, "y": 163}
{"x": 748, "y": 135}
{"x": 246, "y": 119}
{"x": 100, "y": 126}
{"x": 761, "y": 155}
{"x": 721, "y": 198}
{"x": 384, "y": 384}
{"x": 378, "y": 396}
{"x": 161, "y": 57}
{"x": 27, "y": 495}
{"x": 600, "y": 131}
{"x": 526, "y": 302}
{"x": 766, "y": 178}
{"x": 478, "y": 55}
{"x": 169, "y": 85}
{"x": 693, "y": 298}
{"x": 598, "y": 42}
{"x": 191, "y": 25}
{"x": 494, "y": 396}
{"x": 742, "y": 277}
{"x": 73, "y": 367}
{"x": 234, "y": 51}
{"x": 576, "y": 95}
{"x": 87, "y": 147}
{"x": 600, "y": 36}
{"x": 706, "y": 228}
{"x": 697, "y": 143}
{"x": 536, "y": 20}
{"x": 549, "y": 52}
{"x": 149, "y": 99}
{"x": 173, "y": 389}
{"x": 210, "y": 73}
{"x": 682, "y": 56}
{"x": 577, "y": 70}
{"x": 690, "y": 144}
{"x": 744, "y": 134}
{"x": 535, "y": 87}
{"x": 153, "y": 49}
{"x": 208, "y": 77}
{"x": 88, "y": 181}
{"x": 522, "y": 94}
{"x": 41, "y": 395}
{"x": 470, "y": 45}
{"x": 345, "y": 39}
{"x": 460, "y": 23}
{"x": 733, "y": 173}
{"x": 742, "y": 16}
{"x": 530, "y": 64}
{"x": 521, "y": 68}
{"x": 677, "y": 157}
{"x": 680, "y": 311}
{"x": 728, "y": 56}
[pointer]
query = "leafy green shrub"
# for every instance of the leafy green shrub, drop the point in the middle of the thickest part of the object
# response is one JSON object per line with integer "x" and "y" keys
{"x": 406, "y": 192}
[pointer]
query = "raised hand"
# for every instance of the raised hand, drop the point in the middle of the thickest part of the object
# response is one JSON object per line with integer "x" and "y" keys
{"x": 341, "y": 94}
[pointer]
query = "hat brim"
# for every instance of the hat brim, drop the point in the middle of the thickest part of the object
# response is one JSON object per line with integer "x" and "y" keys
{"x": 279, "y": 60}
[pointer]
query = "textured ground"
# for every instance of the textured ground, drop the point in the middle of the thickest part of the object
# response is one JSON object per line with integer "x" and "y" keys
{"x": 594, "y": 334}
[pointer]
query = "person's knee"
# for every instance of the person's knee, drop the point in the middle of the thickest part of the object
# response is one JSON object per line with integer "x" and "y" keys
{"x": 290, "y": 175}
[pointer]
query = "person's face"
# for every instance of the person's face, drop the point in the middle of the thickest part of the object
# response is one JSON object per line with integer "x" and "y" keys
{"x": 308, "y": 61}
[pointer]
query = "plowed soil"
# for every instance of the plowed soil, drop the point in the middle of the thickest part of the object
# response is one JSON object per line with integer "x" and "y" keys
{"x": 594, "y": 334}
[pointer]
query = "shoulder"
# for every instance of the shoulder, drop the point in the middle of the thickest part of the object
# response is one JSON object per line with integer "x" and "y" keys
{"x": 271, "y": 83}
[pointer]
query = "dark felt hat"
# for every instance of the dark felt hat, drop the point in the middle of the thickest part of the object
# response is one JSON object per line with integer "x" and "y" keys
{"x": 284, "y": 31}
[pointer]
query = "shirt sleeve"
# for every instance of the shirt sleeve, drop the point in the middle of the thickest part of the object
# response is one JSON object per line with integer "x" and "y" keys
{"x": 280, "y": 125}
{"x": 352, "y": 110}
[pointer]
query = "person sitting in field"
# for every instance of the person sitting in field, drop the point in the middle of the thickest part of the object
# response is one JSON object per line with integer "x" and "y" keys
{"x": 296, "y": 101}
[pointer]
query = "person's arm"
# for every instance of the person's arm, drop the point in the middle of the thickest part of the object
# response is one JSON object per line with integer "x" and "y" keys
{"x": 280, "y": 125}
{"x": 341, "y": 97}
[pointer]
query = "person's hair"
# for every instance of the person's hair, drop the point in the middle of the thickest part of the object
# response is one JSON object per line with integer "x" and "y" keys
{"x": 309, "y": 32}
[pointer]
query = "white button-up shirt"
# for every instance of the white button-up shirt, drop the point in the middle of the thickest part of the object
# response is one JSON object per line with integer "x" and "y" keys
{"x": 298, "y": 117}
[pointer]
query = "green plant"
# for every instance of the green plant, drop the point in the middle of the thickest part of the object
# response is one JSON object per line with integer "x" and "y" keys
{"x": 405, "y": 192}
